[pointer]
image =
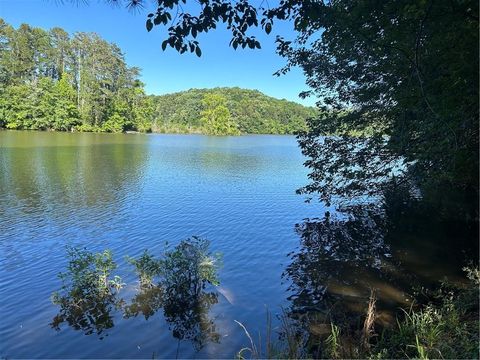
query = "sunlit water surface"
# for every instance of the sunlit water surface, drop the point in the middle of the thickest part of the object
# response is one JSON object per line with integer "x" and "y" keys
{"x": 128, "y": 193}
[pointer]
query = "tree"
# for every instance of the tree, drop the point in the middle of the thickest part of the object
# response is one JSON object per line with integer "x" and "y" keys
{"x": 43, "y": 105}
{"x": 404, "y": 71}
{"x": 60, "y": 53}
{"x": 65, "y": 114}
{"x": 216, "y": 118}
{"x": 6, "y": 53}
{"x": 16, "y": 107}
{"x": 143, "y": 110}
{"x": 51, "y": 81}
{"x": 401, "y": 80}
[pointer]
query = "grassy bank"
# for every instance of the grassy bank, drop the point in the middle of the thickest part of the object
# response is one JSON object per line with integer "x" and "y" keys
{"x": 441, "y": 324}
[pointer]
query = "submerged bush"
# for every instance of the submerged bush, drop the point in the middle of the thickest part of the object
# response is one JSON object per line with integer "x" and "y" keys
{"x": 191, "y": 264}
{"x": 88, "y": 293}
{"x": 146, "y": 268}
{"x": 175, "y": 281}
{"x": 186, "y": 271}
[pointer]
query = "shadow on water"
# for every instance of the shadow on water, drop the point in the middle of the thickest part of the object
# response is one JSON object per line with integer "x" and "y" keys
{"x": 177, "y": 282}
{"x": 395, "y": 250}
{"x": 336, "y": 257}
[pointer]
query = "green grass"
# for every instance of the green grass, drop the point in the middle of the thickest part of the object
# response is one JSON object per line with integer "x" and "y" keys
{"x": 445, "y": 327}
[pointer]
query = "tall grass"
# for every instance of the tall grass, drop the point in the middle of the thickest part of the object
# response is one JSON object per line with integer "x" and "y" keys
{"x": 447, "y": 327}
{"x": 368, "y": 330}
{"x": 291, "y": 345}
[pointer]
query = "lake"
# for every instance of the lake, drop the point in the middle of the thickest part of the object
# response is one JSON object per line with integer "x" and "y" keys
{"x": 131, "y": 192}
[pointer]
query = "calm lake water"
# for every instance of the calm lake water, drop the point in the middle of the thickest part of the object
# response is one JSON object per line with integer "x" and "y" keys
{"x": 128, "y": 193}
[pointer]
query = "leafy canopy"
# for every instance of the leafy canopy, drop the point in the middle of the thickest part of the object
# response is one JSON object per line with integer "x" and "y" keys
{"x": 251, "y": 112}
{"x": 406, "y": 71}
{"x": 50, "y": 80}
{"x": 216, "y": 117}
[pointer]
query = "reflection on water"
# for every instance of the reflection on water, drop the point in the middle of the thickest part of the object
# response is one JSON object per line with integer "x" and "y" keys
{"x": 176, "y": 282}
{"x": 337, "y": 256}
{"x": 188, "y": 318}
{"x": 146, "y": 302}
{"x": 88, "y": 295}
{"x": 128, "y": 193}
{"x": 345, "y": 257}
{"x": 92, "y": 175}
{"x": 186, "y": 314}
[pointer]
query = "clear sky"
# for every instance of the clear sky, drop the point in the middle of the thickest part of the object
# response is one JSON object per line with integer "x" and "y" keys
{"x": 165, "y": 72}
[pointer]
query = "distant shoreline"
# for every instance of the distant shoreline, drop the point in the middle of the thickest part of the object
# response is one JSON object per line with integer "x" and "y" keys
{"x": 141, "y": 133}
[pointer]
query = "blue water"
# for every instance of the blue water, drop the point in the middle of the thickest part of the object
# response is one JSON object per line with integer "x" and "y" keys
{"x": 134, "y": 192}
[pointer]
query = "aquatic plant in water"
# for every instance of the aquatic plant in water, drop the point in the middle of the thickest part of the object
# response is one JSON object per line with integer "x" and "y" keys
{"x": 183, "y": 274}
{"x": 191, "y": 264}
{"x": 175, "y": 281}
{"x": 146, "y": 268}
{"x": 88, "y": 294}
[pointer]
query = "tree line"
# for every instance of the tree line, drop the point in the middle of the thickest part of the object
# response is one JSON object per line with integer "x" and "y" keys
{"x": 404, "y": 71}
{"x": 228, "y": 111}
{"x": 50, "y": 80}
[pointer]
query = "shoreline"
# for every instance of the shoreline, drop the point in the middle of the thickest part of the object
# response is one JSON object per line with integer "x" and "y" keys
{"x": 143, "y": 133}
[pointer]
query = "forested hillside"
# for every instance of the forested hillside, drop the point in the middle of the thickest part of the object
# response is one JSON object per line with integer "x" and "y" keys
{"x": 228, "y": 111}
{"x": 51, "y": 80}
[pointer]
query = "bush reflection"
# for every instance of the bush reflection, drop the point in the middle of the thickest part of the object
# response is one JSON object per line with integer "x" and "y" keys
{"x": 177, "y": 282}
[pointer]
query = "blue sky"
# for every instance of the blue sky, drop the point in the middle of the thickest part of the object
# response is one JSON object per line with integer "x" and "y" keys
{"x": 165, "y": 72}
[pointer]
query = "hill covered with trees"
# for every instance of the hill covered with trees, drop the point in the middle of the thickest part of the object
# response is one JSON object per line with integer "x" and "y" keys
{"x": 227, "y": 111}
{"x": 51, "y": 80}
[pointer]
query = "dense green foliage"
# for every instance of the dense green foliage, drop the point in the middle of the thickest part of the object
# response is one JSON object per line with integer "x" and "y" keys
{"x": 50, "y": 80}
{"x": 228, "y": 111}
{"x": 215, "y": 116}
{"x": 407, "y": 68}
